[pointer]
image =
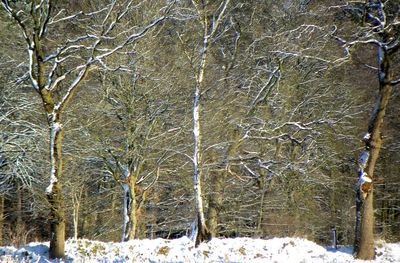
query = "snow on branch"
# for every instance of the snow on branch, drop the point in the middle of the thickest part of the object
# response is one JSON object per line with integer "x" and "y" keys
{"x": 348, "y": 44}
{"x": 395, "y": 43}
{"x": 249, "y": 170}
{"x": 15, "y": 16}
{"x": 298, "y": 125}
{"x": 32, "y": 77}
{"x": 44, "y": 16}
{"x": 72, "y": 87}
{"x": 30, "y": 44}
{"x": 219, "y": 19}
{"x": 293, "y": 54}
{"x": 395, "y": 82}
{"x": 272, "y": 80}
{"x": 379, "y": 31}
{"x": 132, "y": 38}
{"x": 55, "y": 18}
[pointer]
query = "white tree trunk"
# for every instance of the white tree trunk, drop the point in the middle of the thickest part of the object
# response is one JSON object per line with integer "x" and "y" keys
{"x": 197, "y": 159}
{"x": 202, "y": 231}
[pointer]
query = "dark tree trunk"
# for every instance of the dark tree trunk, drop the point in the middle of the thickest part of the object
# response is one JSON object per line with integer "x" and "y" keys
{"x": 364, "y": 241}
{"x": 203, "y": 234}
{"x": 1, "y": 218}
{"x": 54, "y": 193}
{"x": 215, "y": 201}
{"x": 57, "y": 223}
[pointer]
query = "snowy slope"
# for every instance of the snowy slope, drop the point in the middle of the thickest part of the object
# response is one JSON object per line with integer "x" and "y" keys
{"x": 183, "y": 250}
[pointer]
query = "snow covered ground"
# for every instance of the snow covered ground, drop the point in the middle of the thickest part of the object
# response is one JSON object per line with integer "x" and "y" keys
{"x": 287, "y": 250}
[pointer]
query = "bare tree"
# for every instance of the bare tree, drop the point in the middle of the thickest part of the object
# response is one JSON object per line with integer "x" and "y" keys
{"x": 380, "y": 28}
{"x": 59, "y": 64}
{"x": 19, "y": 144}
{"x": 128, "y": 157}
{"x": 210, "y": 21}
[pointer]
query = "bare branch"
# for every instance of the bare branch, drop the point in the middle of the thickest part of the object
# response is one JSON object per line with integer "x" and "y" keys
{"x": 132, "y": 38}
{"x": 219, "y": 19}
{"x": 273, "y": 78}
{"x": 395, "y": 82}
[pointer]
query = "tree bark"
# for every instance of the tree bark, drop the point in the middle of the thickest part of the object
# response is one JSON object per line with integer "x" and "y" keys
{"x": 215, "y": 201}
{"x": 57, "y": 223}
{"x": 54, "y": 193}
{"x": 364, "y": 240}
{"x": 19, "y": 228}
{"x": 202, "y": 230}
{"x": 129, "y": 230}
{"x": 132, "y": 209}
{"x": 126, "y": 212}
{"x": 259, "y": 231}
{"x": 1, "y": 218}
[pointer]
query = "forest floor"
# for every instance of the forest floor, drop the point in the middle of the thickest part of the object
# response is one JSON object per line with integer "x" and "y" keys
{"x": 183, "y": 250}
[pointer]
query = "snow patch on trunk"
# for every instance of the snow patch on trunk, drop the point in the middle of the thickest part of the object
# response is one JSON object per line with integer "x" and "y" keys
{"x": 54, "y": 129}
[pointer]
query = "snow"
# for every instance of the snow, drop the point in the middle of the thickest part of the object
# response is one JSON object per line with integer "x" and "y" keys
{"x": 367, "y": 136}
{"x": 364, "y": 159}
{"x": 183, "y": 250}
{"x": 53, "y": 180}
{"x": 364, "y": 178}
{"x": 55, "y": 127}
{"x": 31, "y": 59}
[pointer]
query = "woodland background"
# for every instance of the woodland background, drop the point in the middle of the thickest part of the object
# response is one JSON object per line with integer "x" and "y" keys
{"x": 284, "y": 111}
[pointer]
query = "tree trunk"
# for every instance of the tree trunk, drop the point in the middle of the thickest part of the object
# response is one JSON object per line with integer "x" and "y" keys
{"x": 57, "y": 223}
{"x": 202, "y": 230}
{"x": 132, "y": 213}
{"x": 364, "y": 241}
{"x": 1, "y": 218}
{"x": 366, "y": 249}
{"x": 54, "y": 193}
{"x": 132, "y": 210}
{"x": 76, "y": 203}
{"x": 129, "y": 227}
{"x": 19, "y": 206}
{"x": 259, "y": 231}
{"x": 19, "y": 228}
{"x": 126, "y": 214}
{"x": 141, "y": 227}
{"x": 215, "y": 201}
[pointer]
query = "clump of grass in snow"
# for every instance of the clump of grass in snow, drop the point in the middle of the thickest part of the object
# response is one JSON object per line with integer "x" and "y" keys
{"x": 163, "y": 251}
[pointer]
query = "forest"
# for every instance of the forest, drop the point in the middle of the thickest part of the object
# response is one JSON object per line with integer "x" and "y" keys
{"x": 133, "y": 119}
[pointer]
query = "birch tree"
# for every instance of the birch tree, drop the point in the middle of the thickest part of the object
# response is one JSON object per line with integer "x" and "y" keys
{"x": 210, "y": 22}
{"x": 60, "y": 62}
{"x": 380, "y": 28}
